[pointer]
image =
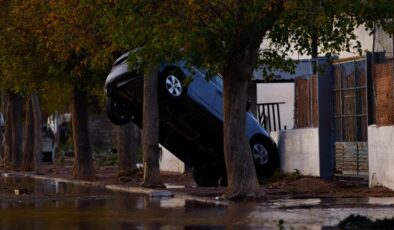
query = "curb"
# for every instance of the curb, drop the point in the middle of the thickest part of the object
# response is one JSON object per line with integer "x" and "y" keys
{"x": 153, "y": 193}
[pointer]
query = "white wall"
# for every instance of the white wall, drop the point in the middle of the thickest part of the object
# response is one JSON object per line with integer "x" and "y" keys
{"x": 170, "y": 163}
{"x": 299, "y": 150}
{"x": 279, "y": 92}
{"x": 381, "y": 155}
{"x": 363, "y": 36}
{"x": 365, "y": 39}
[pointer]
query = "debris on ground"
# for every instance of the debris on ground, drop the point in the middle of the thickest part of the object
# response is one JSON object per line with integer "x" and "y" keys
{"x": 279, "y": 186}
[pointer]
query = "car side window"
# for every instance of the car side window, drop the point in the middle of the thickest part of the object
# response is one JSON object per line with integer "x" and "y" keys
{"x": 218, "y": 81}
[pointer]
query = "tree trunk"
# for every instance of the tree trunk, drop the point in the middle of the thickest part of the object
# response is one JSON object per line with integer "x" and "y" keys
{"x": 7, "y": 147}
{"x": 242, "y": 178}
{"x": 83, "y": 165}
{"x": 17, "y": 131}
{"x": 2, "y": 129}
{"x": 150, "y": 132}
{"x": 37, "y": 150}
{"x": 27, "y": 164}
{"x": 127, "y": 150}
{"x": 1, "y": 143}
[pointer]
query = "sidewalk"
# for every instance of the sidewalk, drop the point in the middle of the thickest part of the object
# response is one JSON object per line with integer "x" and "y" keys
{"x": 281, "y": 186}
{"x": 174, "y": 191}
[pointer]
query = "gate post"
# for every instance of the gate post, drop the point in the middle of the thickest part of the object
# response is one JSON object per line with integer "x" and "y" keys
{"x": 324, "y": 88}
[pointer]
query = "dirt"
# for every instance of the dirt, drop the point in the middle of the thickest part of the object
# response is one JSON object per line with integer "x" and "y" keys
{"x": 279, "y": 186}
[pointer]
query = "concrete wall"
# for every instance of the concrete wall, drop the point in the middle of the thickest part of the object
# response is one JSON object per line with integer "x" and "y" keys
{"x": 170, "y": 163}
{"x": 299, "y": 149}
{"x": 381, "y": 155}
{"x": 279, "y": 92}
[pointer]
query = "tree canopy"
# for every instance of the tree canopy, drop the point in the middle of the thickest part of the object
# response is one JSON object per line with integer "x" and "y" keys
{"x": 51, "y": 45}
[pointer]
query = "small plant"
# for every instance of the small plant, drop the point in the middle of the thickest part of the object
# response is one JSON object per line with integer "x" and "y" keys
{"x": 61, "y": 160}
{"x": 104, "y": 157}
{"x": 281, "y": 224}
{"x": 296, "y": 172}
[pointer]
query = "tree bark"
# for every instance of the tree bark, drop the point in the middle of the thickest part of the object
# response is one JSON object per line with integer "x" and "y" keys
{"x": 83, "y": 165}
{"x": 1, "y": 142}
{"x": 17, "y": 130}
{"x": 37, "y": 150}
{"x": 150, "y": 132}
{"x": 127, "y": 150}
{"x": 242, "y": 178}
{"x": 3, "y": 100}
{"x": 27, "y": 163}
{"x": 7, "y": 147}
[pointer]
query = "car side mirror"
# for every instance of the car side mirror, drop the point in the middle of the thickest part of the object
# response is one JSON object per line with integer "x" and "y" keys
{"x": 248, "y": 105}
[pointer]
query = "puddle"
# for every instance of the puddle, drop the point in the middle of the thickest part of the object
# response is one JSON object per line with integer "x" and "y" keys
{"x": 381, "y": 201}
{"x": 45, "y": 204}
{"x": 288, "y": 203}
{"x": 174, "y": 186}
{"x": 333, "y": 202}
{"x": 57, "y": 205}
{"x": 173, "y": 203}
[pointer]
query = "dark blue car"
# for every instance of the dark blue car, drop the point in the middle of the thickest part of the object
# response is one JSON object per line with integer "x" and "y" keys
{"x": 191, "y": 118}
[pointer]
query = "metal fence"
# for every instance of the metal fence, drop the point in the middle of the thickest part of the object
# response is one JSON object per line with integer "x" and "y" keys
{"x": 269, "y": 116}
{"x": 350, "y": 100}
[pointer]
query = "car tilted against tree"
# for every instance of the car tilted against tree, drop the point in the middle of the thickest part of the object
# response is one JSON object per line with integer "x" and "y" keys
{"x": 190, "y": 118}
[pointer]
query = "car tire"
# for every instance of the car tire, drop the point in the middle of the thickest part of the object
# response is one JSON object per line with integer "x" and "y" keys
{"x": 171, "y": 83}
{"x": 118, "y": 111}
{"x": 265, "y": 156}
{"x": 206, "y": 176}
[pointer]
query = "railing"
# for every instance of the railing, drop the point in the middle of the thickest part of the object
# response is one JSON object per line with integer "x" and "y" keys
{"x": 269, "y": 116}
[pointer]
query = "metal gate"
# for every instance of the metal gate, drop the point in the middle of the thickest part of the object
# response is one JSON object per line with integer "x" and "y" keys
{"x": 269, "y": 116}
{"x": 350, "y": 117}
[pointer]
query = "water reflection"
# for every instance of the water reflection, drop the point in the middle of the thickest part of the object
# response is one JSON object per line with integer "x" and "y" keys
{"x": 56, "y": 205}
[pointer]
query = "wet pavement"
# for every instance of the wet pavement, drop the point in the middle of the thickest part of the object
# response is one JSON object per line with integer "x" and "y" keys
{"x": 26, "y": 203}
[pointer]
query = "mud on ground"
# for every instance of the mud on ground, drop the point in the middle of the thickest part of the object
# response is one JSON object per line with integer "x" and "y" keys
{"x": 279, "y": 186}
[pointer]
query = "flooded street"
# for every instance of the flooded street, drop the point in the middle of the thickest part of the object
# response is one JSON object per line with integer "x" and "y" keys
{"x": 44, "y": 204}
{"x": 51, "y": 205}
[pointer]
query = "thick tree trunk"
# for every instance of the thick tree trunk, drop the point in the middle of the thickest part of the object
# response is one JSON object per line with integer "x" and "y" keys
{"x": 83, "y": 166}
{"x": 17, "y": 131}
{"x": 7, "y": 147}
{"x": 37, "y": 150}
{"x": 2, "y": 130}
{"x": 242, "y": 178}
{"x": 150, "y": 132}
{"x": 1, "y": 143}
{"x": 127, "y": 150}
{"x": 27, "y": 163}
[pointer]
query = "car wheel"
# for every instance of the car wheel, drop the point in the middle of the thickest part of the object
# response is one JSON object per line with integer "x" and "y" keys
{"x": 171, "y": 83}
{"x": 206, "y": 176}
{"x": 118, "y": 111}
{"x": 265, "y": 156}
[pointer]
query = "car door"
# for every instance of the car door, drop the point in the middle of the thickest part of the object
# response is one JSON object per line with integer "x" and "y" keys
{"x": 206, "y": 93}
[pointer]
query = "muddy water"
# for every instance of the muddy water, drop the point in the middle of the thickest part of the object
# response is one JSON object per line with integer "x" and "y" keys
{"x": 39, "y": 204}
{"x": 50, "y": 205}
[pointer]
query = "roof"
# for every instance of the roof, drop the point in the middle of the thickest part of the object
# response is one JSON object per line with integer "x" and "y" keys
{"x": 303, "y": 69}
